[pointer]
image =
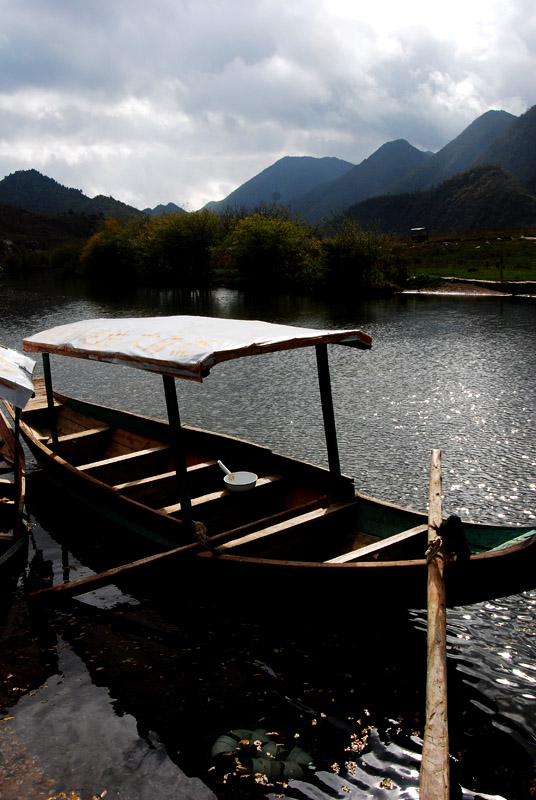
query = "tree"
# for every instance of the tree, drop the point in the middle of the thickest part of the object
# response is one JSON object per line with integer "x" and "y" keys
{"x": 111, "y": 254}
{"x": 357, "y": 260}
{"x": 263, "y": 251}
{"x": 178, "y": 245}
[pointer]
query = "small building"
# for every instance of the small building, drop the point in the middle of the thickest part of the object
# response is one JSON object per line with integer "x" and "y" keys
{"x": 419, "y": 234}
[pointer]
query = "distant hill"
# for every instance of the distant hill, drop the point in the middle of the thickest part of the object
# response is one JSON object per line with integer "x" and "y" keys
{"x": 397, "y": 167}
{"x": 460, "y": 154}
{"x": 371, "y": 177}
{"x": 32, "y": 191}
{"x": 169, "y": 208}
{"x": 383, "y": 187}
{"x": 482, "y": 198}
{"x": 515, "y": 149}
{"x": 23, "y": 231}
{"x": 288, "y": 178}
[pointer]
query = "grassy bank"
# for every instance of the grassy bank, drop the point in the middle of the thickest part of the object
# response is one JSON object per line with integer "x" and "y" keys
{"x": 490, "y": 256}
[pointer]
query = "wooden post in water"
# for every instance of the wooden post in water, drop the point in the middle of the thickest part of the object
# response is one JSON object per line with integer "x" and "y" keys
{"x": 435, "y": 777}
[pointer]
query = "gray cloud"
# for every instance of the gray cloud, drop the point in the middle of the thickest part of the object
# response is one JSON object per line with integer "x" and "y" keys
{"x": 184, "y": 101}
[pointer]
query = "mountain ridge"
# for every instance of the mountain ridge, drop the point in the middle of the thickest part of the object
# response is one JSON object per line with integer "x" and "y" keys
{"x": 397, "y": 167}
{"x": 515, "y": 149}
{"x": 276, "y": 184}
{"x": 394, "y": 177}
{"x": 32, "y": 191}
{"x": 485, "y": 197}
{"x": 370, "y": 177}
{"x": 458, "y": 155}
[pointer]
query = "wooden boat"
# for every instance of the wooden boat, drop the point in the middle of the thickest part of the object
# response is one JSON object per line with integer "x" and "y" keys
{"x": 15, "y": 389}
{"x": 301, "y": 525}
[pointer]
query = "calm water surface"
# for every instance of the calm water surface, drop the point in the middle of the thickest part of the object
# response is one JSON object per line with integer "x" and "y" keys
{"x": 126, "y": 694}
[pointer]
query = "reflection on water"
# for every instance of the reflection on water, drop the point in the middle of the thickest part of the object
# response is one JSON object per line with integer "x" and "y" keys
{"x": 133, "y": 690}
{"x": 75, "y": 713}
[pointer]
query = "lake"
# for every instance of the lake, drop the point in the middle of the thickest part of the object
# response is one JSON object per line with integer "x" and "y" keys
{"x": 125, "y": 694}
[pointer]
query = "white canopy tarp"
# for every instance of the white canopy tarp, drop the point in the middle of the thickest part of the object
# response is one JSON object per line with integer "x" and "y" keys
{"x": 181, "y": 346}
{"x": 16, "y": 372}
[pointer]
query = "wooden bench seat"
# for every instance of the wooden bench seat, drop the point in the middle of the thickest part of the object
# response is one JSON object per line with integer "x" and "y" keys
{"x": 220, "y": 494}
{"x": 161, "y": 487}
{"x": 273, "y": 531}
{"x": 85, "y": 433}
{"x": 163, "y": 476}
{"x": 124, "y": 457}
{"x": 81, "y": 445}
{"x": 132, "y": 465}
{"x": 272, "y": 519}
{"x": 140, "y": 483}
{"x": 376, "y": 547}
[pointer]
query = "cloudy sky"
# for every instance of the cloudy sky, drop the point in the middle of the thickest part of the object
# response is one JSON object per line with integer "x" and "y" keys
{"x": 153, "y": 101}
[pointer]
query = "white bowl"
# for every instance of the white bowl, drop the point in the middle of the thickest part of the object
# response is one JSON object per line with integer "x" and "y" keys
{"x": 240, "y": 481}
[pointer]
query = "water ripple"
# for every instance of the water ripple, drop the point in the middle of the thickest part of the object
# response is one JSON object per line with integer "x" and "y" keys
{"x": 449, "y": 373}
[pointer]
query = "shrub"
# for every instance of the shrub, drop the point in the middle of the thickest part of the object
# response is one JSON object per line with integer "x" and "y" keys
{"x": 111, "y": 254}
{"x": 179, "y": 245}
{"x": 262, "y": 251}
{"x": 357, "y": 260}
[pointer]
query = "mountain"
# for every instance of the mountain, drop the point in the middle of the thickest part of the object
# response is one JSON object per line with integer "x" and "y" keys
{"x": 23, "y": 231}
{"x": 383, "y": 187}
{"x": 463, "y": 152}
{"x": 32, "y": 191}
{"x": 515, "y": 149}
{"x": 286, "y": 179}
{"x": 169, "y": 208}
{"x": 395, "y": 168}
{"x": 482, "y": 198}
{"x": 371, "y": 177}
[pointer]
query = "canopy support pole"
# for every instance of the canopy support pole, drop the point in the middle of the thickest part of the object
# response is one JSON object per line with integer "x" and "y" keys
{"x": 50, "y": 400}
{"x": 177, "y": 445}
{"x": 324, "y": 382}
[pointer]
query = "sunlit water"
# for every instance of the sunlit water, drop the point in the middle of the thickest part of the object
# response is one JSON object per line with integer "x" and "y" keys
{"x": 132, "y": 693}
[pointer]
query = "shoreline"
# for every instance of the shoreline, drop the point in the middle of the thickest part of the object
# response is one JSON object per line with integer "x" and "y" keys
{"x": 475, "y": 287}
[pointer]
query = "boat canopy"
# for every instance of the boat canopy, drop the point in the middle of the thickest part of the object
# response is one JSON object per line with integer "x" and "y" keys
{"x": 181, "y": 346}
{"x": 16, "y": 372}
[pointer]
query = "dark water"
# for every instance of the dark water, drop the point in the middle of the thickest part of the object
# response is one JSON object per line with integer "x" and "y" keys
{"x": 126, "y": 691}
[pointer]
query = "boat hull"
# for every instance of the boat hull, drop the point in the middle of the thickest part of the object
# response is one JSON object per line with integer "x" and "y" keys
{"x": 288, "y": 534}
